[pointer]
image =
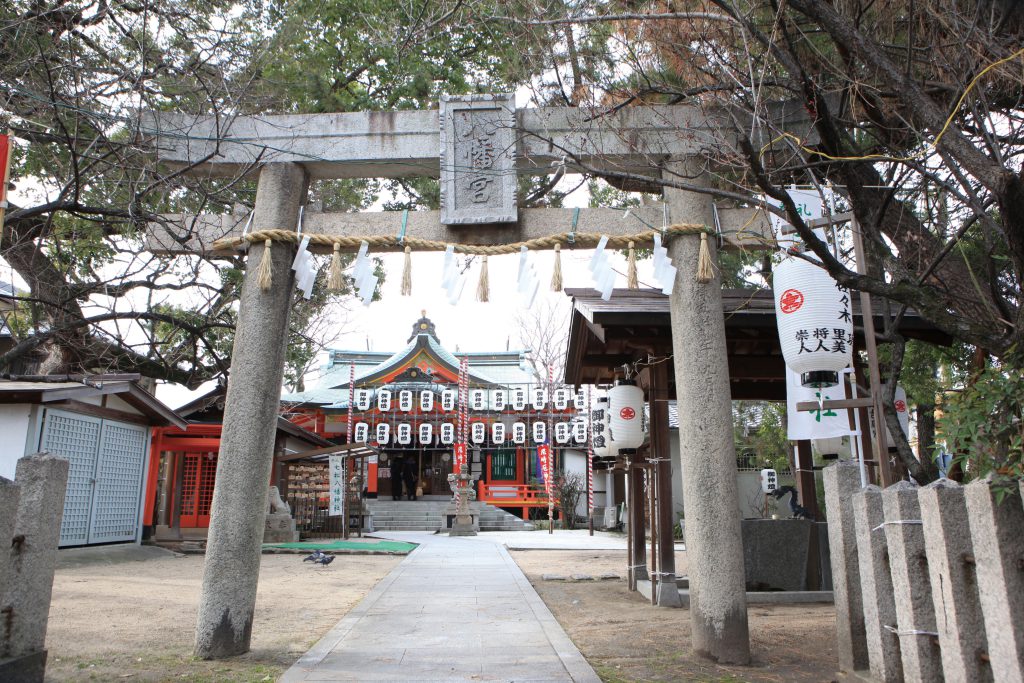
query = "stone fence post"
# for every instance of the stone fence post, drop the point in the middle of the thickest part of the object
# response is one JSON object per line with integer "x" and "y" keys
{"x": 879, "y": 605}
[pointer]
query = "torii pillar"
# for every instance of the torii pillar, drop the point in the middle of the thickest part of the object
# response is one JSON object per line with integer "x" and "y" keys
{"x": 237, "y": 517}
{"x": 714, "y": 544}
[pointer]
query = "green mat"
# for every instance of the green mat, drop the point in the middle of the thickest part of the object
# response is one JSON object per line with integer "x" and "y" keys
{"x": 378, "y": 546}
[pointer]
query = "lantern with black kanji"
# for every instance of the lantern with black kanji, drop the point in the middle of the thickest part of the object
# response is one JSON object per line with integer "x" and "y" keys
{"x": 599, "y": 425}
{"x": 815, "y": 322}
{"x": 625, "y": 415}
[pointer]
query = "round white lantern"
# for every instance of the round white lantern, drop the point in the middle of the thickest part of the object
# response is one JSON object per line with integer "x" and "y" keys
{"x": 448, "y": 397}
{"x": 405, "y": 401}
{"x": 426, "y": 433}
{"x": 499, "y": 399}
{"x": 362, "y": 399}
{"x": 562, "y": 398}
{"x": 384, "y": 400}
{"x": 404, "y": 433}
{"x": 625, "y": 415}
{"x": 519, "y": 432}
{"x": 579, "y": 431}
{"x": 902, "y": 409}
{"x": 478, "y": 399}
{"x": 815, "y": 322}
{"x": 539, "y": 398}
{"x": 498, "y": 433}
{"x": 447, "y": 432}
{"x": 562, "y": 432}
{"x": 540, "y": 432}
{"x": 362, "y": 432}
{"x": 579, "y": 400}
{"x": 426, "y": 401}
{"x": 479, "y": 432}
{"x": 383, "y": 433}
{"x": 518, "y": 398}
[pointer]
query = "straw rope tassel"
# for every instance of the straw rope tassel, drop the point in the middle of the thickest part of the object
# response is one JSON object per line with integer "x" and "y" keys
{"x": 264, "y": 274}
{"x": 483, "y": 288}
{"x": 556, "y": 272}
{"x": 407, "y": 273}
{"x": 336, "y": 282}
{"x": 705, "y": 268}
{"x": 632, "y": 281}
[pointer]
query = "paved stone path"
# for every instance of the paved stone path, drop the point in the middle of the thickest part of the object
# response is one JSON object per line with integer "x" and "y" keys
{"x": 453, "y": 610}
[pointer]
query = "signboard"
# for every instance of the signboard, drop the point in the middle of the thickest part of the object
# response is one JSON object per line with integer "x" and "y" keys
{"x": 337, "y": 485}
{"x": 478, "y": 174}
{"x": 769, "y": 481}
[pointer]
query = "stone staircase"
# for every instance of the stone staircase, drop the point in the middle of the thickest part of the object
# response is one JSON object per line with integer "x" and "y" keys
{"x": 428, "y": 515}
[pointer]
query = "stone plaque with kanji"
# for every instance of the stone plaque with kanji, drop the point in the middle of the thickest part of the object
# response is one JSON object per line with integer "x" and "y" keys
{"x": 478, "y": 175}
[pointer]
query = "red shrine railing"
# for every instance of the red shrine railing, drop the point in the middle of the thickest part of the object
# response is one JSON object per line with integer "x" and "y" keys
{"x": 513, "y": 495}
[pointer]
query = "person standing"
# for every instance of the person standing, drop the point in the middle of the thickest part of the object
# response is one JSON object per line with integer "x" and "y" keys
{"x": 396, "y": 478}
{"x": 409, "y": 477}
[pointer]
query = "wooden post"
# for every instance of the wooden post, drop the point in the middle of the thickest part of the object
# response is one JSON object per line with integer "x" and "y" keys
{"x": 804, "y": 475}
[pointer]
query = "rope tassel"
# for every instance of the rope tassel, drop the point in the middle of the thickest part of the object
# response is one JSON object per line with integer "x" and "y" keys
{"x": 406, "y": 273}
{"x": 483, "y": 288}
{"x": 264, "y": 274}
{"x": 556, "y": 273}
{"x": 336, "y": 282}
{"x": 705, "y": 268}
{"x": 632, "y": 281}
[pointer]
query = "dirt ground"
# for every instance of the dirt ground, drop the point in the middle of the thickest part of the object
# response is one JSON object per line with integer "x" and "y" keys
{"x": 626, "y": 639}
{"x": 135, "y": 620}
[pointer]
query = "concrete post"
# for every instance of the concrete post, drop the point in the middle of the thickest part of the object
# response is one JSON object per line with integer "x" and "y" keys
{"x": 231, "y": 571}
{"x": 997, "y": 534}
{"x": 912, "y": 589}
{"x": 954, "y": 581}
{"x": 10, "y": 494}
{"x": 718, "y": 599}
{"x": 842, "y": 480}
{"x": 876, "y": 587}
{"x": 32, "y": 557}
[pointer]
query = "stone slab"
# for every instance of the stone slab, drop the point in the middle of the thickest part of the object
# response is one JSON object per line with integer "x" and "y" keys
{"x": 883, "y": 646}
{"x": 998, "y": 542}
{"x": 777, "y": 554}
{"x": 911, "y": 581}
{"x": 954, "y": 581}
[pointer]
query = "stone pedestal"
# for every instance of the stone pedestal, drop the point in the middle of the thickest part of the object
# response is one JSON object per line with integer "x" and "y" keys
{"x": 883, "y": 645}
{"x": 780, "y": 554}
{"x": 997, "y": 534}
{"x": 842, "y": 480}
{"x": 954, "y": 581}
{"x": 465, "y": 522}
{"x": 279, "y": 526}
{"x": 30, "y": 557}
{"x": 912, "y": 589}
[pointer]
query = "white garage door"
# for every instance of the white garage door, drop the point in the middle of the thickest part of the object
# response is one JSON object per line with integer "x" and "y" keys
{"x": 105, "y": 479}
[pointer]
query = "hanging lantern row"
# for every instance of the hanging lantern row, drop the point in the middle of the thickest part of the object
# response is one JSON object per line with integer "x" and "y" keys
{"x": 814, "y": 320}
{"x": 479, "y": 399}
{"x": 479, "y": 433}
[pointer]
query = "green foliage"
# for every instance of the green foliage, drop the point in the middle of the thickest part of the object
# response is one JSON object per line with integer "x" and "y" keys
{"x": 983, "y": 424}
{"x": 759, "y": 428}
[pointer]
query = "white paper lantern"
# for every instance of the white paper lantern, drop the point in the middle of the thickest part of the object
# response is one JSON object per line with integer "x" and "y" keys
{"x": 383, "y": 400}
{"x": 448, "y": 398}
{"x": 426, "y": 401}
{"x": 383, "y": 433}
{"x": 518, "y": 398}
{"x": 426, "y": 433}
{"x": 499, "y": 399}
{"x": 478, "y": 399}
{"x": 902, "y": 409}
{"x": 404, "y": 433}
{"x": 835, "y": 445}
{"x": 579, "y": 431}
{"x": 579, "y": 400}
{"x": 815, "y": 322}
{"x": 519, "y": 432}
{"x": 562, "y": 398}
{"x": 478, "y": 431}
{"x": 540, "y": 432}
{"x": 599, "y": 424}
{"x": 625, "y": 415}
{"x": 447, "y": 433}
{"x": 562, "y": 432}
{"x": 498, "y": 433}
{"x": 405, "y": 400}
{"x": 362, "y": 399}
{"x": 539, "y": 398}
{"x": 362, "y": 432}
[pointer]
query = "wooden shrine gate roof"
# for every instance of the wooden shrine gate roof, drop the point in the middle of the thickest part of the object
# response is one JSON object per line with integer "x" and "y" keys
{"x": 605, "y": 335}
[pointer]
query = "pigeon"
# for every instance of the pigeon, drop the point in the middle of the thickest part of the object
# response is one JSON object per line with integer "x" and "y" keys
{"x": 315, "y": 557}
{"x": 324, "y": 559}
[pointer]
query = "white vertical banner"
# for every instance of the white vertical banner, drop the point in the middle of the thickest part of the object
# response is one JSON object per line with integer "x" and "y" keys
{"x": 337, "y": 485}
{"x": 814, "y": 424}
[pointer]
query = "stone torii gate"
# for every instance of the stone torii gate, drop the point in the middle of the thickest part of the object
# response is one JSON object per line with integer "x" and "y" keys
{"x": 477, "y": 145}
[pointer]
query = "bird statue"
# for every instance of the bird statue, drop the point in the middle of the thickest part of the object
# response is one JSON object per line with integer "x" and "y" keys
{"x": 315, "y": 556}
{"x": 799, "y": 512}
